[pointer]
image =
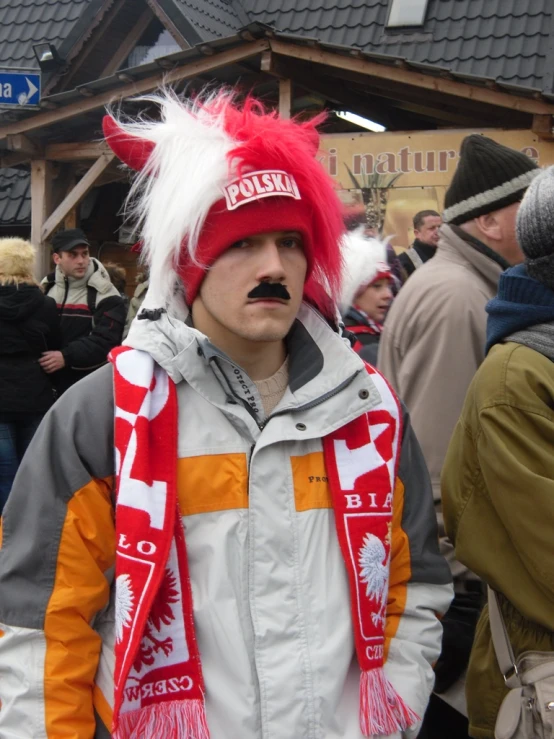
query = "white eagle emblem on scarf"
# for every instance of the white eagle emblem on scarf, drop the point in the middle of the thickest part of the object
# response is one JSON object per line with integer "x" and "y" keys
{"x": 374, "y": 572}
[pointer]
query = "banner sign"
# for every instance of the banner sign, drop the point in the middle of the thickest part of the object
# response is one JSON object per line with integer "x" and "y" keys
{"x": 389, "y": 177}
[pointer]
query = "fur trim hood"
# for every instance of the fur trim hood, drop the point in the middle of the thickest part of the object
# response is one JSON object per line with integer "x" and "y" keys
{"x": 17, "y": 259}
{"x": 364, "y": 261}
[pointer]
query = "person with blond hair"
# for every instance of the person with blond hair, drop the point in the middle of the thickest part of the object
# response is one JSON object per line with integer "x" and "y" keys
{"x": 28, "y": 326}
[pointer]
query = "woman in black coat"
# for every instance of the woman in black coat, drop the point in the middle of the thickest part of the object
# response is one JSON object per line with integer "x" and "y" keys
{"x": 29, "y": 325}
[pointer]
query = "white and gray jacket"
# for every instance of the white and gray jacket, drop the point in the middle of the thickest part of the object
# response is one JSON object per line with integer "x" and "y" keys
{"x": 270, "y": 591}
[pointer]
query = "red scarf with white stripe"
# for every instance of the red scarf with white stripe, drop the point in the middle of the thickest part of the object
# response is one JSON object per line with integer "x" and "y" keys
{"x": 159, "y": 690}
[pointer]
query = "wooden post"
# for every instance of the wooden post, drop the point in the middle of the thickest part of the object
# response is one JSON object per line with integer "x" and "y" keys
{"x": 70, "y": 221}
{"x": 76, "y": 195}
{"x": 40, "y": 201}
{"x": 285, "y": 98}
{"x": 542, "y": 126}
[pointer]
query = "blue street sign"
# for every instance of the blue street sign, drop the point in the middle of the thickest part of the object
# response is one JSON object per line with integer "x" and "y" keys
{"x": 19, "y": 88}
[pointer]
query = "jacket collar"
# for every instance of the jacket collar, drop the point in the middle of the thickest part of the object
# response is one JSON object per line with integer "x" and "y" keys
{"x": 357, "y": 317}
{"x": 521, "y": 302}
{"x": 425, "y": 251}
{"x": 455, "y": 245}
{"x": 480, "y": 246}
{"x": 60, "y": 277}
{"x": 95, "y": 276}
{"x": 320, "y": 361}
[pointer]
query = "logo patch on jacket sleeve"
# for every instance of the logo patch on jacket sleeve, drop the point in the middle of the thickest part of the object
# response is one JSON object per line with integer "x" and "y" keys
{"x": 265, "y": 183}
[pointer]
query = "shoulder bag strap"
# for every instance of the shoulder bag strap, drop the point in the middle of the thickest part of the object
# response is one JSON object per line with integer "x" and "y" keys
{"x": 92, "y": 293}
{"x": 414, "y": 257}
{"x": 501, "y": 643}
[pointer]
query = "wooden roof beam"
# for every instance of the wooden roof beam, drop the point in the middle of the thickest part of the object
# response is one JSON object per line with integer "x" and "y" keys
{"x": 402, "y": 93}
{"x": 128, "y": 43}
{"x": 76, "y": 195}
{"x": 399, "y": 94}
{"x": 357, "y": 102}
{"x": 282, "y": 69}
{"x": 23, "y": 145}
{"x": 75, "y": 151}
{"x": 410, "y": 77}
{"x": 442, "y": 114}
{"x": 137, "y": 87}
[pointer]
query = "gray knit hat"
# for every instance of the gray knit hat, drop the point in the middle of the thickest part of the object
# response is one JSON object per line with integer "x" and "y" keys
{"x": 535, "y": 228}
{"x": 489, "y": 177}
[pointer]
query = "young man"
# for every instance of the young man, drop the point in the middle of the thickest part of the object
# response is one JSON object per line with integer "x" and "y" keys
{"x": 498, "y": 477}
{"x": 92, "y": 312}
{"x": 366, "y": 292}
{"x": 434, "y": 341}
{"x": 260, "y": 468}
{"x": 426, "y": 232}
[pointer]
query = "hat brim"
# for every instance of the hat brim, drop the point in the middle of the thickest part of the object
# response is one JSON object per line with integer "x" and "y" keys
{"x": 72, "y": 245}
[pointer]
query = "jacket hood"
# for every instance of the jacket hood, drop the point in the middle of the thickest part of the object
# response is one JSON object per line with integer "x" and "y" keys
{"x": 521, "y": 302}
{"x": 17, "y": 303}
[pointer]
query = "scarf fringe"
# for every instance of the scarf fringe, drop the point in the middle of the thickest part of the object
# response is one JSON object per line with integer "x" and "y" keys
{"x": 172, "y": 720}
{"x": 382, "y": 710}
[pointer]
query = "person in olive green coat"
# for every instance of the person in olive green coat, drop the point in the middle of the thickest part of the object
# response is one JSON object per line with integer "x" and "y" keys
{"x": 498, "y": 477}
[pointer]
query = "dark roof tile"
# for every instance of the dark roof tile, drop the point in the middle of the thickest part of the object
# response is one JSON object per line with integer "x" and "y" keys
{"x": 211, "y": 19}
{"x": 504, "y": 39}
{"x": 24, "y": 23}
{"x": 15, "y": 197}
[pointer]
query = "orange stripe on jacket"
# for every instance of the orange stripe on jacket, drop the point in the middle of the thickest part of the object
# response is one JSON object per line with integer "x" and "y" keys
{"x": 213, "y": 482}
{"x": 86, "y": 551}
{"x": 311, "y": 484}
{"x": 103, "y": 708}
{"x": 400, "y": 569}
{"x": 219, "y": 482}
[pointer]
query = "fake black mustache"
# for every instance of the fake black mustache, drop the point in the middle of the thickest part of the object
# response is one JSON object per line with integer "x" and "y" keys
{"x": 269, "y": 290}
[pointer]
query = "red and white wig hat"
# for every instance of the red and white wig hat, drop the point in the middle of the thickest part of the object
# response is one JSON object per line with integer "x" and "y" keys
{"x": 212, "y": 172}
{"x": 364, "y": 262}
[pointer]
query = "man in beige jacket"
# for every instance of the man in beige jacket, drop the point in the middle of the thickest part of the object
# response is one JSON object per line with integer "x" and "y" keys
{"x": 434, "y": 341}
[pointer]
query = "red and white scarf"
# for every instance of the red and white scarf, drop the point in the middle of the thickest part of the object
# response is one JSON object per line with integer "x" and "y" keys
{"x": 159, "y": 690}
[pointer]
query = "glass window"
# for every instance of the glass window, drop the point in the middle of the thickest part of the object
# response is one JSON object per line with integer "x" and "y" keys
{"x": 164, "y": 45}
{"x": 407, "y": 13}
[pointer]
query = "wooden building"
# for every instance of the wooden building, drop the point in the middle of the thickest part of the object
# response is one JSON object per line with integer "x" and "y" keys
{"x": 435, "y": 66}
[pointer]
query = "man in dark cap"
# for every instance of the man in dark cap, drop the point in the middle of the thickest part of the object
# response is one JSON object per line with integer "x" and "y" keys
{"x": 92, "y": 311}
{"x": 434, "y": 341}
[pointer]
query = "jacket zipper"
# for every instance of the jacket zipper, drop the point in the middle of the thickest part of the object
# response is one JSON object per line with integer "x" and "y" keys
{"x": 251, "y": 411}
{"x": 252, "y": 447}
{"x": 307, "y": 406}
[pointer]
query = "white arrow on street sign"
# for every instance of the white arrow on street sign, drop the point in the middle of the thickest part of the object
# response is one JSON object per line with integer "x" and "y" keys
{"x": 24, "y": 97}
{"x": 32, "y": 88}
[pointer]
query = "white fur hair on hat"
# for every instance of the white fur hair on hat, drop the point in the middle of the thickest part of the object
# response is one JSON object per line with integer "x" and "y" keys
{"x": 364, "y": 260}
{"x": 17, "y": 258}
